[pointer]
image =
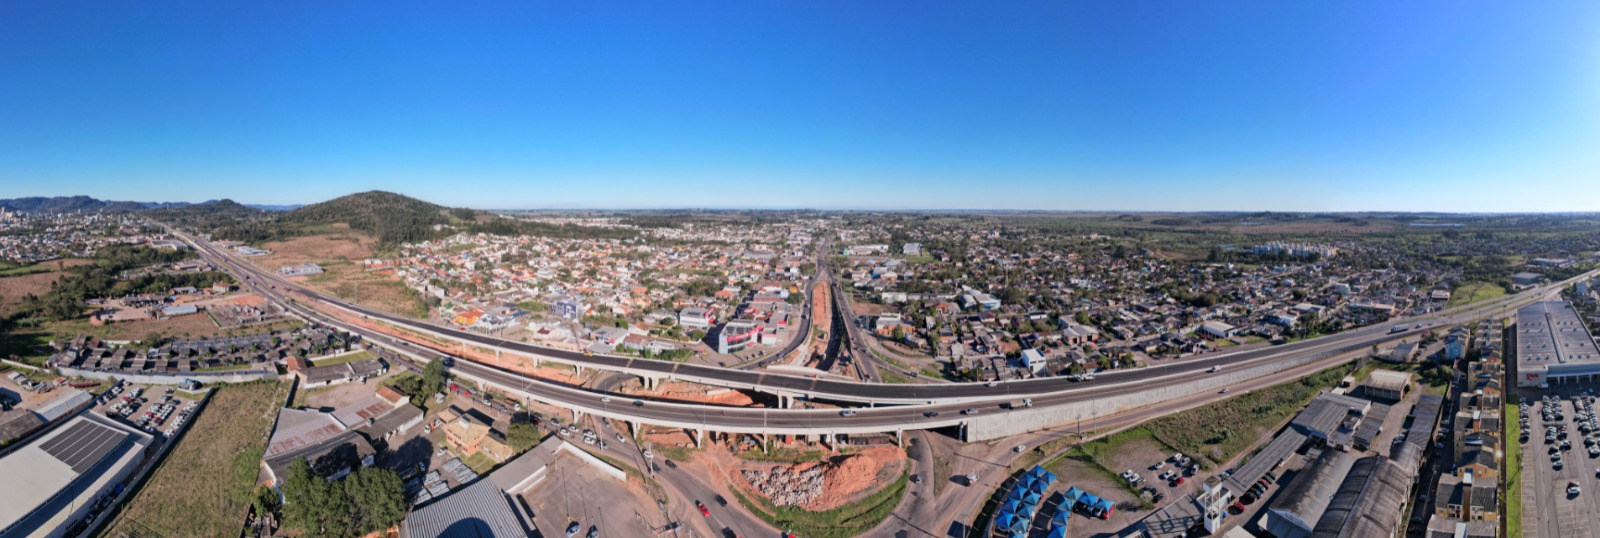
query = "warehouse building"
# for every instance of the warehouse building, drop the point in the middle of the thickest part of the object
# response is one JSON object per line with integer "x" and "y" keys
{"x": 54, "y": 482}
{"x": 1553, "y": 346}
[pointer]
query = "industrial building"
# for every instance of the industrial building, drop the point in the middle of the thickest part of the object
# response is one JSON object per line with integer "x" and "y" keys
{"x": 1554, "y": 347}
{"x": 55, "y": 481}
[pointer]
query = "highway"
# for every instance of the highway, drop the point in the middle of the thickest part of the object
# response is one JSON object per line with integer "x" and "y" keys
{"x": 944, "y": 411}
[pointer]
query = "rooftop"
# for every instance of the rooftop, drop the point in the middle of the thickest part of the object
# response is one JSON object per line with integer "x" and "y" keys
{"x": 78, "y": 457}
{"x": 1550, "y": 334}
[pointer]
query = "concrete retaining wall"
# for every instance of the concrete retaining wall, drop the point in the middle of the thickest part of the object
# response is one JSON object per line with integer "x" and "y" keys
{"x": 229, "y": 376}
{"x": 1026, "y": 420}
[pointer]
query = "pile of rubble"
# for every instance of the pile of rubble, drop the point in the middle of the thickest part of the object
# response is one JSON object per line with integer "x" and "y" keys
{"x": 786, "y": 485}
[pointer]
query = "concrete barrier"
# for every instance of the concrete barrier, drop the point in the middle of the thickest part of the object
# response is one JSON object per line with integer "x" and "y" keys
{"x": 1026, "y": 420}
{"x": 226, "y": 376}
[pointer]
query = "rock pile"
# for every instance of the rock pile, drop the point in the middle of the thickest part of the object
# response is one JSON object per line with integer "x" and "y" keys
{"x": 787, "y": 486}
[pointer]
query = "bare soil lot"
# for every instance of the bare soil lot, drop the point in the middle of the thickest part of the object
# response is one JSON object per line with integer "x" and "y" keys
{"x": 14, "y": 288}
{"x": 340, "y": 254}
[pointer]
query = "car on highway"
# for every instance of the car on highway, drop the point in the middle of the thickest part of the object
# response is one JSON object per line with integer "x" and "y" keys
{"x": 847, "y": 413}
{"x": 605, "y": 399}
{"x": 704, "y": 511}
{"x": 638, "y": 403}
{"x": 1215, "y": 369}
{"x": 931, "y": 414}
{"x": 970, "y": 411}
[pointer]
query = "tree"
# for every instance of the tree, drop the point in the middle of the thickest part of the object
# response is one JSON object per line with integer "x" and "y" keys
{"x": 433, "y": 377}
{"x": 377, "y": 499}
{"x": 522, "y": 436}
{"x": 368, "y": 500}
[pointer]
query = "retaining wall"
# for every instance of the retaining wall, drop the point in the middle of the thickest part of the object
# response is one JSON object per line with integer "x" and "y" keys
{"x": 228, "y": 376}
{"x": 1032, "y": 419}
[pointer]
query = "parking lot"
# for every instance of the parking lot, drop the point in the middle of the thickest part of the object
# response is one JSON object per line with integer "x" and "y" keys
{"x": 575, "y": 491}
{"x": 1549, "y": 509}
{"x": 158, "y": 410}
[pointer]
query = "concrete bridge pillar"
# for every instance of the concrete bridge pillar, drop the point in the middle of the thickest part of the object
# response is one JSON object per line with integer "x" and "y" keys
{"x": 576, "y": 415}
{"x": 633, "y": 426}
{"x": 900, "y": 438}
{"x": 764, "y": 442}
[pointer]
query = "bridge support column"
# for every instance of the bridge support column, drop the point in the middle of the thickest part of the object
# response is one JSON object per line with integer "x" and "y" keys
{"x": 634, "y": 427}
{"x": 900, "y": 438}
{"x": 699, "y": 434}
{"x": 764, "y": 442}
{"x": 576, "y": 415}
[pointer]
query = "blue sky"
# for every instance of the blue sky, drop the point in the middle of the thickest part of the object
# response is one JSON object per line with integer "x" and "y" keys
{"x": 1470, "y": 105}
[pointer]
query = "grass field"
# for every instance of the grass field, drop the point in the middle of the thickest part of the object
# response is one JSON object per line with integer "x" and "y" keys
{"x": 1473, "y": 292}
{"x": 346, "y": 358}
{"x": 1221, "y": 430}
{"x": 852, "y": 520}
{"x": 1513, "y": 477}
{"x": 206, "y": 484}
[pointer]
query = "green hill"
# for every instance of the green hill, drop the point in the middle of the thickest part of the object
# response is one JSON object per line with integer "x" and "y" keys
{"x": 391, "y": 218}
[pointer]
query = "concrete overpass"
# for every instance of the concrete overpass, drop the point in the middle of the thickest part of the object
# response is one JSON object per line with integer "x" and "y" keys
{"x": 971, "y": 409}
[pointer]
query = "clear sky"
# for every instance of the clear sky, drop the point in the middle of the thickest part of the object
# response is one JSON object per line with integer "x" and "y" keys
{"x": 1458, "y": 105}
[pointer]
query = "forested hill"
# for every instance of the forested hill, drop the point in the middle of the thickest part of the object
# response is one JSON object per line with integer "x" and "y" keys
{"x": 390, "y": 217}
{"x": 70, "y": 204}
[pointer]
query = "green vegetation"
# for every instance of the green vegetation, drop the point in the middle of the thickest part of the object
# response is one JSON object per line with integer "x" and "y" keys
{"x": 206, "y": 484}
{"x": 522, "y": 436}
{"x": 7, "y": 269}
{"x": 1221, "y": 430}
{"x": 368, "y": 500}
{"x": 846, "y": 521}
{"x": 1473, "y": 292}
{"x": 674, "y": 452}
{"x": 345, "y": 358}
{"x": 1513, "y": 475}
{"x": 101, "y": 279}
{"x": 420, "y": 388}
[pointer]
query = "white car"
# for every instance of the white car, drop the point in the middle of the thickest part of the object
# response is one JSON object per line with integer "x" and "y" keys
{"x": 1573, "y": 489}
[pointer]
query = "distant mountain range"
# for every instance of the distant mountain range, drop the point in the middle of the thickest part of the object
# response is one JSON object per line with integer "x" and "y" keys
{"x": 69, "y": 204}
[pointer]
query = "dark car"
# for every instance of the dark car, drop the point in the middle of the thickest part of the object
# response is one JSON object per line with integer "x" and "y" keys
{"x": 572, "y": 530}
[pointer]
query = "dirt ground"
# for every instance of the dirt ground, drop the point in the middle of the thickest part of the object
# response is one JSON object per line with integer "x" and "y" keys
{"x": 340, "y": 255}
{"x": 699, "y": 393}
{"x": 1074, "y": 473}
{"x": 846, "y": 477}
{"x": 13, "y": 288}
{"x": 344, "y": 394}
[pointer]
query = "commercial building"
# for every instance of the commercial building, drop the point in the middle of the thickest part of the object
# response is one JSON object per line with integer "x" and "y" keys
{"x": 1554, "y": 347}
{"x": 737, "y": 334}
{"x": 1294, "y": 512}
{"x": 53, "y": 482}
{"x": 1387, "y": 384}
{"x": 304, "y": 269}
{"x": 1217, "y": 329}
{"x": 1526, "y": 279}
{"x": 696, "y": 318}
